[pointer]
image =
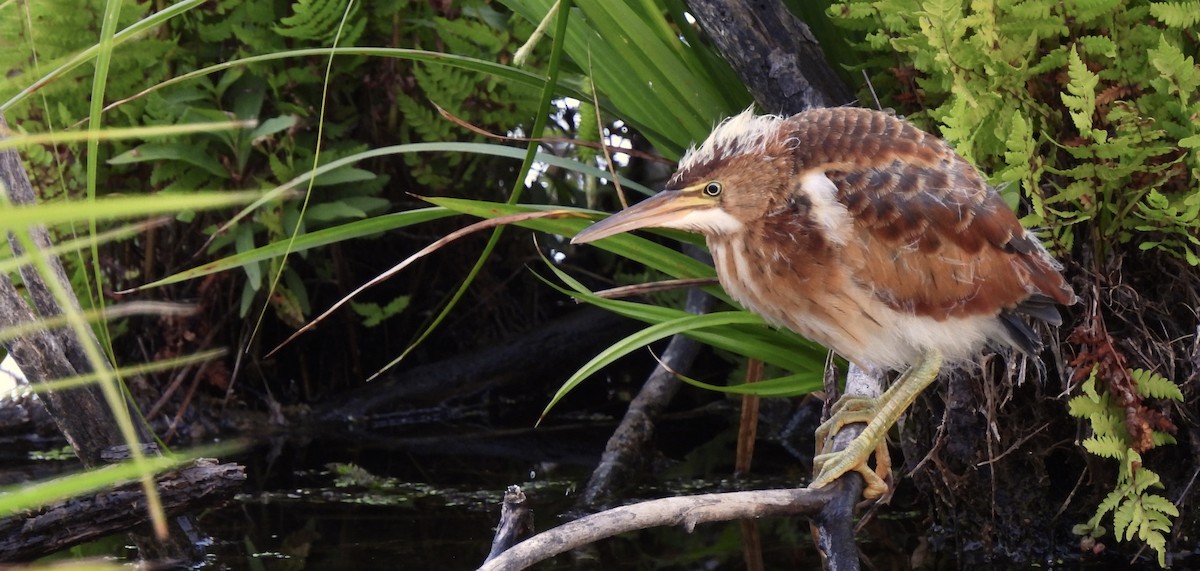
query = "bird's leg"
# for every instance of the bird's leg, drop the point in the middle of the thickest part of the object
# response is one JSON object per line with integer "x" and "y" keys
{"x": 879, "y": 415}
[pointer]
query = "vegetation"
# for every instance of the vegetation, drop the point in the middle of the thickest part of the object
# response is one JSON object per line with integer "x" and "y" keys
{"x": 1087, "y": 114}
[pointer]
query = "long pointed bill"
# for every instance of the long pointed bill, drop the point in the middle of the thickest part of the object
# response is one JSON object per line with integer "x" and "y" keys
{"x": 660, "y": 210}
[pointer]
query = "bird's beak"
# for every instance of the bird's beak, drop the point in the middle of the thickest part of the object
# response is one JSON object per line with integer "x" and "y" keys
{"x": 660, "y": 210}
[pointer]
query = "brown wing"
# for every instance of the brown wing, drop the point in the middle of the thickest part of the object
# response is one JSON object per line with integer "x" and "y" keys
{"x": 930, "y": 237}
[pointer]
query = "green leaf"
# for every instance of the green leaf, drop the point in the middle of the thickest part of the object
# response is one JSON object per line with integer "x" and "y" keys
{"x": 330, "y": 211}
{"x": 645, "y": 337}
{"x": 373, "y": 314}
{"x": 195, "y": 155}
{"x": 272, "y": 126}
{"x": 780, "y": 348}
{"x": 789, "y": 386}
{"x": 1105, "y": 446}
{"x": 117, "y": 208}
{"x": 342, "y": 176}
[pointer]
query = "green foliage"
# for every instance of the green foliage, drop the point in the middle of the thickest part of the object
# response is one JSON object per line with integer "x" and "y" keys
{"x": 373, "y": 314}
{"x": 355, "y": 476}
{"x": 284, "y": 97}
{"x": 322, "y": 20}
{"x": 1136, "y": 512}
{"x": 479, "y": 100}
{"x": 1091, "y": 105}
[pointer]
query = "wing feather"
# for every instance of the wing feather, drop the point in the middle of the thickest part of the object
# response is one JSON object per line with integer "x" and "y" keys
{"x": 929, "y": 236}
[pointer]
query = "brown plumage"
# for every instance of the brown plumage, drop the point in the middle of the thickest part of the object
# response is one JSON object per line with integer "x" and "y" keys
{"x": 861, "y": 232}
{"x": 867, "y": 235}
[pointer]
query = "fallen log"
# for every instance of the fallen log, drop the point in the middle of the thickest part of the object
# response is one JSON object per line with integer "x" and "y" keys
{"x": 62, "y": 524}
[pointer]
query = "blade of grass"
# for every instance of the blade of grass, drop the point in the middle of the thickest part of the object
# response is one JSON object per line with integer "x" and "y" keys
{"x": 114, "y": 235}
{"x": 114, "y": 134}
{"x": 635, "y": 248}
{"x": 789, "y": 386}
{"x": 479, "y": 148}
{"x": 505, "y": 72}
{"x": 643, "y": 338}
{"x": 115, "y": 208}
{"x": 92, "y": 315}
{"x": 27, "y": 496}
{"x": 780, "y": 348}
{"x": 325, "y": 236}
{"x": 139, "y": 369}
{"x": 427, "y": 250}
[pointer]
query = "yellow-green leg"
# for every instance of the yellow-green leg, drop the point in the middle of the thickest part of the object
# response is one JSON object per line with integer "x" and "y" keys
{"x": 879, "y": 416}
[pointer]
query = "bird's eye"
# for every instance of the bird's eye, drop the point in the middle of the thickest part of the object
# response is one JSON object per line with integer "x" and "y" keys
{"x": 712, "y": 189}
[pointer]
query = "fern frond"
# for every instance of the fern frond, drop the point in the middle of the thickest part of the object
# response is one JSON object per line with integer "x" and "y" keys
{"x": 1105, "y": 446}
{"x": 1177, "y": 14}
{"x": 1176, "y": 68}
{"x": 1081, "y": 103}
{"x": 1153, "y": 385}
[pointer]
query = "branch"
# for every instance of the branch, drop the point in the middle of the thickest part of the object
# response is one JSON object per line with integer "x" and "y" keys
{"x": 774, "y": 53}
{"x": 687, "y": 511}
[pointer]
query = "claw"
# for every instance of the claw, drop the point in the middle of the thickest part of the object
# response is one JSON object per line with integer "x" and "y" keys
{"x": 829, "y": 466}
{"x": 879, "y": 416}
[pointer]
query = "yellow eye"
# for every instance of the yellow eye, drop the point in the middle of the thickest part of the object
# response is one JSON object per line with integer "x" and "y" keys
{"x": 712, "y": 189}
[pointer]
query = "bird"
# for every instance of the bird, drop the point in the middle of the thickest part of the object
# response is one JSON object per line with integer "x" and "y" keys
{"x": 859, "y": 231}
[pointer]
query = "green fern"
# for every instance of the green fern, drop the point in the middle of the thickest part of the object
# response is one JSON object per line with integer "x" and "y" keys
{"x": 1082, "y": 101}
{"x": 1177, "y": 14}
{"x": 1090, "y": 104}
{"x": 320, "y": 20}
{"x": 1136, "y": 512}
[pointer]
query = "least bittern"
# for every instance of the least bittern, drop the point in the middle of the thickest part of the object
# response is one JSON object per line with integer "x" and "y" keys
{"x": 859, "y": 231}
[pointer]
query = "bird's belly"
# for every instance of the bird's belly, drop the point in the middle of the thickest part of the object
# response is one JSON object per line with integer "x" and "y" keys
{"x": 819, "y": 303}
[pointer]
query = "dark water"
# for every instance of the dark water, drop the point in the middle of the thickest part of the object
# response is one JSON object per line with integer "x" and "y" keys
{"x": 429, "y": 499}
{"x": 437, "y": 500}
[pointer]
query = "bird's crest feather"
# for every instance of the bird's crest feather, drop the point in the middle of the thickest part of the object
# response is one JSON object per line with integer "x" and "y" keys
{"x": 741, "y": 134}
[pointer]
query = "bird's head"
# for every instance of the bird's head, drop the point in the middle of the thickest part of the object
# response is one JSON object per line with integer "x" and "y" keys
{"x": 734, "y": 177}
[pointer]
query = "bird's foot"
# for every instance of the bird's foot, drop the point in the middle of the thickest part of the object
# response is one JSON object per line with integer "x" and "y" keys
{"x": 829, "y": 466}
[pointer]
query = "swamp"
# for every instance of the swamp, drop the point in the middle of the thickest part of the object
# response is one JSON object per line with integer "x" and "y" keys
{"x": 311, "y": 284}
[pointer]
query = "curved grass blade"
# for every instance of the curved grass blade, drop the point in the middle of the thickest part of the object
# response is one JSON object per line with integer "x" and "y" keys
{"x": 141, "y": 369}
{"x": 505, "y": 72}
{"x": 117, "y": 311}
{"x": 777, "y": 347}
{"x": 636, "y": 248}
{"x": 27, "y": 496}
{"x": 119, "y": 133}
{"x": 789, "y": 386}
{"x": 315, "y": 239}
{"x": 478, "y": 148}
{"x": 483, "y": 225}
{"x": 114, "y": 235}
{"x": 645, "y": 337}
